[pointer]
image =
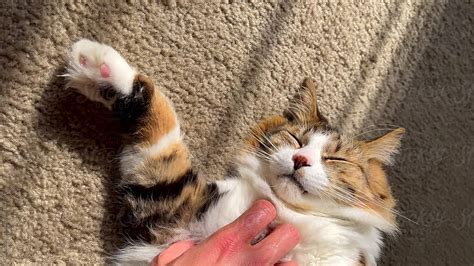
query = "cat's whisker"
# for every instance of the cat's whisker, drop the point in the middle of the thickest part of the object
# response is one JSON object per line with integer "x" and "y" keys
{"x": 340, "y": 191}
{"x": 256, "y": 153}
{"x": 358, "y": 203}
{"x": 259, "y": 153}
{"x": 269, "y": 141}
{"x": 354, "y": 198}
{"x": 367, "y": 197}
{"x": 379, "y": 204}
{"x": 257, "y": 138}
{"x": 346, "y": 197}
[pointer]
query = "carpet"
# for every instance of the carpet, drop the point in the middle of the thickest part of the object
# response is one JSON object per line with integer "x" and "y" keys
{"x": 226, "y": 64}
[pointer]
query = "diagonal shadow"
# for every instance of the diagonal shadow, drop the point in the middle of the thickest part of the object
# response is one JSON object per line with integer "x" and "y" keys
{"x": 432, "y": 93}
{"x": 263, "y": 51}
{"x": 260, "y": 53}
{"x": 368, "y": 65}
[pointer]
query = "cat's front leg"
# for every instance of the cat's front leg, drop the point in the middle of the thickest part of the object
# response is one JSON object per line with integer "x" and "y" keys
{"x": 101, "y": 74}
{"x": 160, "y": 189}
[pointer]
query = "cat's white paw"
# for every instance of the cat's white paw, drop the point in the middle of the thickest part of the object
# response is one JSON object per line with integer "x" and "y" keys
{"x": 95, "y": 68}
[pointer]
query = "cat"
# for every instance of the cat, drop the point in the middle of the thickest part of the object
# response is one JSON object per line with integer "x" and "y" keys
{"x": 331, "y": 187}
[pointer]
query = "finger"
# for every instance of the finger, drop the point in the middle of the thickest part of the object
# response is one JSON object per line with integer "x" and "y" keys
{"x": 173, "y": 252}
{"x": 287, "y": 263}
{"x": 278, "y": 243}
{"x": 252, "y": 222}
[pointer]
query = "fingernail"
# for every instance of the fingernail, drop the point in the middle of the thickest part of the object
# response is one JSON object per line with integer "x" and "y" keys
{"x": 255, "y": 218}
{"x": 261, "y": 211}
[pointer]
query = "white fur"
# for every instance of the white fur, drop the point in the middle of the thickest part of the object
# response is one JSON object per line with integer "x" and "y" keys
{"x": 138, "y": 254}
{"x": 314, "y": 177}
{"x": 134, "y": 156}
{"x": 88, "y": 80}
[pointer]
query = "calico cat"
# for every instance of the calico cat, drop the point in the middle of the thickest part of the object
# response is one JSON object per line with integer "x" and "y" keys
{"x": 331, "y": 187}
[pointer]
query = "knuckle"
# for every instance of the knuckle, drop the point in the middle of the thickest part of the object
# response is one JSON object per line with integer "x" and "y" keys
{"x": 227, "y": 243}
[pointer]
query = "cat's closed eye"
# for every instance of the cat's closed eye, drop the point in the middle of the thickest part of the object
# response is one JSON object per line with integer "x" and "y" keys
{"x": 334, "y": 158}
{"x": 295, "y": 138}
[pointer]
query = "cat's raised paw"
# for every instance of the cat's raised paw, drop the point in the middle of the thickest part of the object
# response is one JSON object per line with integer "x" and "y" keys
{"x": 95, "y": 67}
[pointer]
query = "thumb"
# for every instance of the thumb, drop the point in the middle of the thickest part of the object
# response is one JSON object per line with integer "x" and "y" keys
{"x": 172, "y": 253}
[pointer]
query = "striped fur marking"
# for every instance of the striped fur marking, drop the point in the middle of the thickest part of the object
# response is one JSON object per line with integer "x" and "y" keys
{"x": 162, "y": 190}
{"x": 212, "y": 197}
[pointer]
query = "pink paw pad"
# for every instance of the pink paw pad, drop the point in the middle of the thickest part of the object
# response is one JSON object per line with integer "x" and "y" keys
{"x": 104, "y": 70}
{"x": 82, "y": 61}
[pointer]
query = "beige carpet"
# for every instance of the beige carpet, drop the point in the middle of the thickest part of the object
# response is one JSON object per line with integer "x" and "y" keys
{"x": 378, "y": 64}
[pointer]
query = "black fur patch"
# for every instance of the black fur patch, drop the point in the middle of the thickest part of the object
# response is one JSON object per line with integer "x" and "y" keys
{"x": 108, "y": 93}
{"x": 168, "y": 217}
{"x": 130, "y": 108}
{"x": 162, "y": 190}
{"x": 140, "y": 227}
{"x": 212, "y": 197}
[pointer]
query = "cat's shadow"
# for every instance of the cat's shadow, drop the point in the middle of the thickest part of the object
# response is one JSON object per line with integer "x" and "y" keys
{"x": 88, "y": 129}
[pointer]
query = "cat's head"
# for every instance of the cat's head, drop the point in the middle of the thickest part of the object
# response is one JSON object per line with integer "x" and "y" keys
{"x": 312, "y": 167}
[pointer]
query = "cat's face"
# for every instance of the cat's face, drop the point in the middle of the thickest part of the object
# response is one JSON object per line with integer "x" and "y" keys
{"x": 306, "y": 163}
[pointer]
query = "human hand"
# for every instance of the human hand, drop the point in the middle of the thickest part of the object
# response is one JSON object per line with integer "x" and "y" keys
{"x": 231, "y": 245}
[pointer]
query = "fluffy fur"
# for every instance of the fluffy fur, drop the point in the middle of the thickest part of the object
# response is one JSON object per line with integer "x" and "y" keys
{"x": 331, "y": 187}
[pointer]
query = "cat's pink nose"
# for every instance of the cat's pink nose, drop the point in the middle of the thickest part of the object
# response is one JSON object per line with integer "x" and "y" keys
{"x": 300, "y": 161}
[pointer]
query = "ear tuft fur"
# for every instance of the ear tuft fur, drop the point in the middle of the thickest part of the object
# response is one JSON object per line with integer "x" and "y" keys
{"x": 304, "y": 107}
{"x": 383, "y": 148}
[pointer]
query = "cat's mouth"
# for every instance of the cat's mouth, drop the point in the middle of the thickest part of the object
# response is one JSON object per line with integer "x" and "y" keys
{"x": 296, "y": 182}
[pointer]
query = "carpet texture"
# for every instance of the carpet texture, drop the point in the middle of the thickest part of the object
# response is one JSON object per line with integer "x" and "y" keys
{"x": 378, "y": 65}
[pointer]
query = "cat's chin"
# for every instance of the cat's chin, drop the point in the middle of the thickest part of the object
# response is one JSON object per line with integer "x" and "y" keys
{"x": 292, "y": 179}
{"x": 309, "y": 190}
{"x": 294, "y": 193}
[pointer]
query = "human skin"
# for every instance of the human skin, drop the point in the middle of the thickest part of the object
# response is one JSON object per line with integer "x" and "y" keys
{"x": 231, "y": 245}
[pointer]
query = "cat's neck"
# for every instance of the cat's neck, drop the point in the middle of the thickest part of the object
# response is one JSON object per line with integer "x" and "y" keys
{"x": 327, "y": 231}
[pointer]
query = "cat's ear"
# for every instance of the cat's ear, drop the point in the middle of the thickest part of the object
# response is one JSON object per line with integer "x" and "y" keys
{"x": 383, "y": 148}
{"x": 304, "y": 107}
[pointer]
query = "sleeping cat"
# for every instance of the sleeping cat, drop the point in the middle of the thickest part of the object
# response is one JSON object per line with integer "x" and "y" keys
{"x": 331, "y": 187}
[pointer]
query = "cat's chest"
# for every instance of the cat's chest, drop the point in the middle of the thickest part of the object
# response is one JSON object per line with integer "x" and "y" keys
{"x": 323, "y": 242}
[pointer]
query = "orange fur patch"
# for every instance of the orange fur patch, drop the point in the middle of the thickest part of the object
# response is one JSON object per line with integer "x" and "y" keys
{"x": 262, "y": 128}
{"x": 160, "y": 118}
